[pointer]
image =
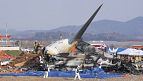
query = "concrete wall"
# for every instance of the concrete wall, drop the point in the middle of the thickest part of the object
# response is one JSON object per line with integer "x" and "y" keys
{"x": 9, "y": 48}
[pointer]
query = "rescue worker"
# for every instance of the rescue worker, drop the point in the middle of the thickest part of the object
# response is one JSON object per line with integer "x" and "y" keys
{"x": 47, "y": 70}
{"x": 77, "y": 73}
{"x": 41, "y": 60}
{"x": 100, "y": 65}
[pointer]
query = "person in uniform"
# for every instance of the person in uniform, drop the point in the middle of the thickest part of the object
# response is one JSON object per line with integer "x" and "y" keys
{"x": 77, "y": 73}
{"x": 47, "y": 70}
{"x": 100, "y": 65}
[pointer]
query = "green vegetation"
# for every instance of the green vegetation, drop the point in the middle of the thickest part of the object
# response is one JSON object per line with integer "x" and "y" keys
{"x": 13, "y": 53}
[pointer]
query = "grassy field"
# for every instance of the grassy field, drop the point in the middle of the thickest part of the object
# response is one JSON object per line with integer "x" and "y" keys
{"x": 13, "y": 53}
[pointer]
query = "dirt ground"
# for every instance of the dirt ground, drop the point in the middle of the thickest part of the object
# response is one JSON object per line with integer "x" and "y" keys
{"x": 125, "y": 78}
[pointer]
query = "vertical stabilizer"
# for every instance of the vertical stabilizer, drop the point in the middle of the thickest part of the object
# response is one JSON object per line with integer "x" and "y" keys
{"x": 83, "y": 29}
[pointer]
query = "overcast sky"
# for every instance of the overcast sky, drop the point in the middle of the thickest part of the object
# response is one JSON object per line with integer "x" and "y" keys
{"x": 49, "y": 14}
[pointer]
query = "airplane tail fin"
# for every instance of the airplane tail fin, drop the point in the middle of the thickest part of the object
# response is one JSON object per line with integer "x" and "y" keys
{"x": 82, "y": 30}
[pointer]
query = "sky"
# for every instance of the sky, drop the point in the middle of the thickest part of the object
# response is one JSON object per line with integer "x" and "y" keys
{"x": 50, "y": 14}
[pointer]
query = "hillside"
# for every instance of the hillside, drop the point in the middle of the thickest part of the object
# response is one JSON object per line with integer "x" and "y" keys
{"x": 131, "y": 27}
{"x": 100, "y": 30}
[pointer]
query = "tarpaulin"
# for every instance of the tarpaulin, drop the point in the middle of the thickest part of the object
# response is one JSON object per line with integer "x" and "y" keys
{"x": 94, "y": 73}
